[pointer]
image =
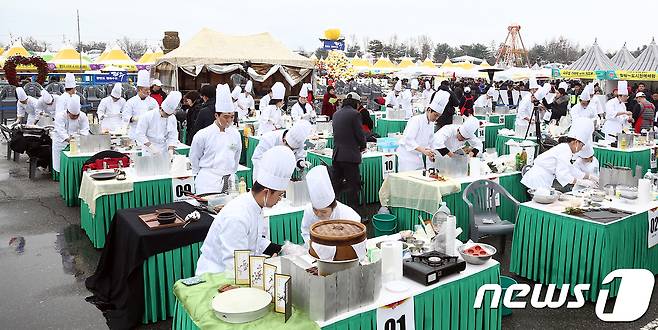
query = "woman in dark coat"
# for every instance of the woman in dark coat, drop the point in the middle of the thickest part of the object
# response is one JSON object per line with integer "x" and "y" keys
{"x": 192, "y": 100}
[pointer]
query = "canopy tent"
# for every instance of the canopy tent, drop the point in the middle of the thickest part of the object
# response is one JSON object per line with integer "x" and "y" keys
{"x": 406, "y": 62}
{"x": 260, "y": 55}
{"x": 115, "y": 57}
{"x": 623, "y": 57}
{"x": 647, "y": 61}
{"x": 361, "y": 64}
{"x": 68, "y": 60}
{"x": 2, "y": 50}
{"x": 17, "y": 49}
{"x": 384, "y": 65}
{"x": 466, "y": 58}
{"x": 146, "y": 58}
{"x": 447, "y": 63}
{"x": 584, "y": 67}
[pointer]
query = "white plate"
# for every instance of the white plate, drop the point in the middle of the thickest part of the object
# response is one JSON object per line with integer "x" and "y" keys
{"x": 241, "y": 305}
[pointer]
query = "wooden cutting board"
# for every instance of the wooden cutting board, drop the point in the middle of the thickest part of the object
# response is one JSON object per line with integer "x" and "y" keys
{"x": 151, "y": 221}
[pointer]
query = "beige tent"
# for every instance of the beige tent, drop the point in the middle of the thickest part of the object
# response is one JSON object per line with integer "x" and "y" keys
{"x": 217, "y": 55}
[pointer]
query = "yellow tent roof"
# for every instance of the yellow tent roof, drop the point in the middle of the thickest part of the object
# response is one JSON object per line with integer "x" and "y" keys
{"x": 68, "y": 59}
{"x": 428, "y": 63}
{"x": 361, "y": 62}
{"x": 383, "y": 63}
{"x": 116, "y": 57}
{"x": 447, "y": 63}
{"x": 157, "y": 53}
{"x": 485, "y": 64}
{"x": 405, "y": 63}
{"x": 16, "y": 49}
{"x": 2, "y": 50}
{"x": 146, "y": 58}
{"x": 465, "y": 65}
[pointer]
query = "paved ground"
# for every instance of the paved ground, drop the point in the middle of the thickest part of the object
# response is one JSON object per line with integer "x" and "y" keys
{"x": 45, "y": 257}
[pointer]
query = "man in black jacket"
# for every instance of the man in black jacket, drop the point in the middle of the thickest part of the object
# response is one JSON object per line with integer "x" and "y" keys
{"x": 449, "y": 111}
{"x": 207, "y": 113}
{"x": 349, "y": 142}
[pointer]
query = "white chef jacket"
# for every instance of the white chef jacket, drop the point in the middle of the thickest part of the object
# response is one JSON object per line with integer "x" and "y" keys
{"x": 418, "y": 133}
{"x": 551, "y": 165}
{"x": 581, "y": 167}
{"x": 45, "y": 109}
{"x": 243, "y": 104}
{"x": 446, "y": 137}
{"x": 30, "y": 109}
{"x": 65, "y": 127}
{"x": 238, "y": 226}
{"x": 264, "y": 102}
{"x": 270, "y": 119}
{"x": 524, "y": 111}
{"x": 109, "y": 113}
{"x": 405, "y": 103}
{"x": 306, "y": 113}
{"x": 614, "y": 124}
{"x": 578, "y": 111}
{"x": 341, "y": 212}
{"x": 483, "y": 102}
{"x": 392, "y": 100}
{"x": 136, "y": 107}
{"x": 267, "y": 142}
{"x": 161, "y": 132}
{"x": 213, "y": 155}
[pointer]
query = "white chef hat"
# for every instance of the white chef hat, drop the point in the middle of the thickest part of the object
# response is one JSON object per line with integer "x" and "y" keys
{"x": 46, "y": 97}
{"x": 74, "y": 105}
{"x": 590, "y": 88}
{"x": 20, "y": 94}
{"x": 171, "y": 102}
{"x": 303, "y": 92}
{"x": 586, "y": 152}
{"x": 533, "y": 83}
{"x": 223, "y": 101}
{"x": 469, "y": 127}
{"x": 236, "y": 92}
{"x": 540, "y": 94}
{"x": 427, "y": 85}
{"x": 564, "y": 85}
{"x": 439, "y": 101}
{"x": 249, "y": 86}
{"x": 581, "y": 130}
{"x": 278, "y": 163}
{"x": 298, "y": 134}
{"x": 278, "y": 91}
{"x": 69, "y": 81}
{"x": 622, "y": 87}
{"x": 414, "y": 83}
{"x": 319, "y": 186}
{"x": 398, "y": 86}
{"x": 156, "y": 82}
{"x": 143, "y": 78}
{"x": 116, "y": 90}
{"x": 585, "y": 96}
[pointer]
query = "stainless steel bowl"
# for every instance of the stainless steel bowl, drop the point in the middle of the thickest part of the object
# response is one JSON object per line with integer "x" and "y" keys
{"x": 476, "y": 260}
{"x": 544, "y": 199}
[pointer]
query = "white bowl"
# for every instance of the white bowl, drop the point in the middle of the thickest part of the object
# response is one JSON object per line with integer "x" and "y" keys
{"x": 476, "y": 260}
{"x": 241, "y": 305}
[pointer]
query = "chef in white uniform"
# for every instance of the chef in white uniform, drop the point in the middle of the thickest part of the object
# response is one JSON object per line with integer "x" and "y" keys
{"x": 584, "y": 107}
{"x": 324, "y": 205}
{"x": 485, "y": 100}
{"x": 157, "y": 130}
{"x": 139, "y": 104}
{"x": 302, "y": 109}
{"x": 524, "y": 111}
{"x": 47, "y": 104}
{"x": 26, "y": 106}
{"x": 270, "y": 117}
{"x": 294, "y": 138}
{"x": 555, "y": 164}
{"x": 617, "y": 117}
{"x": 62, "y": 102}
{"x": 406, "y": 99}
{"x": 586, "y": 163}
{"x": 451, "y": 138}
{"x": 417, "y": 136}
{"x": 216, "y": 149}
{"x": 245, "y": 103}
{"x": 427, "y": 92}
{"x": 110, "y": 108}
{"x": 393, "y": 97}
{"x": 240, "y": 225}
{"x": 68, "y": 124}
{"x": 264, "y": 101}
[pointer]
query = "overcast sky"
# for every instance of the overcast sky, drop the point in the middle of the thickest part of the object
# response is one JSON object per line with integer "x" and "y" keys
{"x": 300, "y": 23}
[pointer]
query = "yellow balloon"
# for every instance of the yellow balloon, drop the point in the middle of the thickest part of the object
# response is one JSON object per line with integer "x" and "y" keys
{"x": 332, "y": 34}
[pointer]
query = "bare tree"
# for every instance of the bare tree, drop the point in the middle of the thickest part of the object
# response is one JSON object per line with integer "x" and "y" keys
{"x": 34, "y": 45}
{"x": 91, "y": 45}
{"x": 134, "y": 48}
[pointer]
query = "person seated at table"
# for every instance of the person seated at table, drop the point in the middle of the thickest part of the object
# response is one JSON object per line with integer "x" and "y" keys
{"x": 555, "y": 164}
{"x": 270, "y": 117}
{"x": 240, "y": 224}
{"x": 617, "y": 116}
{"x": 302, "y": 109}
{"x": 68, "y": 124}
{"x": 46, "y": 105}
{"x": 294, "y": 138}
{"x": 324, "y": 205}
{"x": 26, "y": 106}
{"x": 451, "y": 138}
{"x": 157, "y": 131}
{"x": 110, "y": 108}
{"x": 417, "y": 135}
{"x": 215, "y": 150}
{"x": 582, "y": 108}
{"x": 245, "y": 104}
{"x": 139, "y": 105}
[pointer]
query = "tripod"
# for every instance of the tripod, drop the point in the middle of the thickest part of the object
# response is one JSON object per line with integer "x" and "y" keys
{"x": 535, "y": 115}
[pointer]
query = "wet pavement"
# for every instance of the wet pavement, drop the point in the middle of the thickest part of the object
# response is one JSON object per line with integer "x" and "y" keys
{"x": 45, "y": 258}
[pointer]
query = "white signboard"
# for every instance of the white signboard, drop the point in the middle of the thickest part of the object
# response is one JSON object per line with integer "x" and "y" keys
{"x": 481, "y": 133}
{"x": 652, "y": 216}
{"x": 388, "y": 165}
{"x": 179, "y": 185}
{"x": 397, "y": 316}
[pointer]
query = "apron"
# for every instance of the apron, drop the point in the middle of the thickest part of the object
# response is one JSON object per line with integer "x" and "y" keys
{"x": 409, "y": 160}
{"x": 210, "y": 180}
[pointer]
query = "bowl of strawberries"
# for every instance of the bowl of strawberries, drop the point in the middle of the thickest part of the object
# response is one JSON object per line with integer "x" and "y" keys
{"x": 476, "y": 253}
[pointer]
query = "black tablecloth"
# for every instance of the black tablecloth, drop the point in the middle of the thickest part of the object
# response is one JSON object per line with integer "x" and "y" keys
{"x": 118, "y": 282}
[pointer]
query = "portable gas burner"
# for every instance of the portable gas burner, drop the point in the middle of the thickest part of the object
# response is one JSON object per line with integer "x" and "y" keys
{"x": 429, "y": 267}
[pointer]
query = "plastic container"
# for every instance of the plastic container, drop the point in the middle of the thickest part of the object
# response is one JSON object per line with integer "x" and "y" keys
{"x": 506, "y": 282}
{"x": 385, "y": 224}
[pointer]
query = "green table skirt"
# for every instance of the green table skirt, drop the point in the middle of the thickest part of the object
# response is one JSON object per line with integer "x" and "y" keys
{"x": 557, "y": 249}
{"x": 146, "y": 193}
{"x": 448, "y": 306}
{"x": 628, "y": 159}
{"x": 408, "y": 218}
{"x": 371, "y": 176}
{"x": 54, "y": 175}
{"x": 491, "y": 135}
{"x": 182, "y": 136}
{"x": 502, "y": 148}
{"x": 385, "y": 126}
{"x": 286, "y": 227}
{"x": 252, "y": 142}
{"x": 508, "y": 120}
{"x": 70, "y": 176}
{"x": 160, "y": 272}
{"x": 330, "y": 142}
